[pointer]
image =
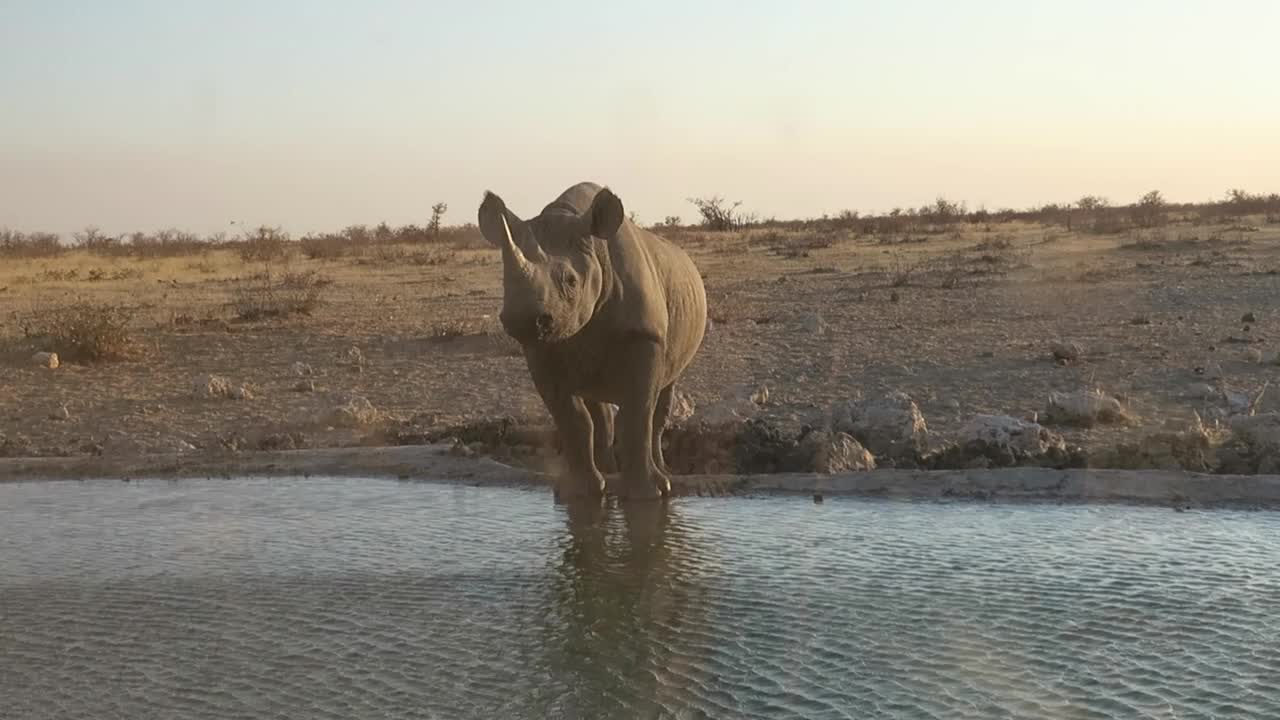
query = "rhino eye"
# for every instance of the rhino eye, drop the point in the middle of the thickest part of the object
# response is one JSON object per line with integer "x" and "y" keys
{"x": 571, "y": 280}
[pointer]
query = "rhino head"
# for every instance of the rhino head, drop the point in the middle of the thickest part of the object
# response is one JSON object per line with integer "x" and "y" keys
{"x": 553, "y": 277}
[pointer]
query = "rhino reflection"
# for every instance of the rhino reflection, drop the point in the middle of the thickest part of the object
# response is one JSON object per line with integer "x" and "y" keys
{"x": 629, "y": 582}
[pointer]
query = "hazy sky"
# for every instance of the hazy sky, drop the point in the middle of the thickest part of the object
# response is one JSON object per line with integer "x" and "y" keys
{"x": 135, "y": 114}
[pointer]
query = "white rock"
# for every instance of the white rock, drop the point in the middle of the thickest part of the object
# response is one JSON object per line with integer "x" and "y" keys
{"x": 1010, "y": 433}
{"x": 61, "y": 413}
{"x": 889, "y": 427}
{"x": 739, "y": 404}
{"x": 1086, "y": 407}
{"x": 836, "y": 452}
{"x": 46, "y": 359}
{"x": 302, "y": 369}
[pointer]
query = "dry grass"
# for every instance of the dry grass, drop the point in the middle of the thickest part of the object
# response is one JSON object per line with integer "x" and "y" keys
{"x": 269, "y": 294}
{"x": 968, "y": 336}
{"x": 84, "y": 331}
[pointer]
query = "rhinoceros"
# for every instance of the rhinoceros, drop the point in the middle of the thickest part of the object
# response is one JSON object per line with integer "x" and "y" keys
{"x": 607, "y": 313}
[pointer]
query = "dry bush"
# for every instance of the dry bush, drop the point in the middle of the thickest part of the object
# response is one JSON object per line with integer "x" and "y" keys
{"x": 99, "y": 274}
{"x": 29, "y": 245}
{"x": 272, "y": 295}
{"x": 167, "y": 243}
{"x": 84, "y": 331}
{"x": 902, "y": 270}
{"x": 265, "y": 244}
{"x": 449, "y": 329}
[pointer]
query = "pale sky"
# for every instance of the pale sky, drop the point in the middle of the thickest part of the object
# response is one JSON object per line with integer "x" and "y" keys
{"x": 144, "y": 114}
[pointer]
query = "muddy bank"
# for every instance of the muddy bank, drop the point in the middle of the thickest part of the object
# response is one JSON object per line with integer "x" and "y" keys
{"x": 441, "y": 463}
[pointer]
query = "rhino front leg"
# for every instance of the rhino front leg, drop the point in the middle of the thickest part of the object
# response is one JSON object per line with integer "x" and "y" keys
{"x": 641, "y": 476}
{"x": 602, "y": 436}
{"x": 573, "y": 423}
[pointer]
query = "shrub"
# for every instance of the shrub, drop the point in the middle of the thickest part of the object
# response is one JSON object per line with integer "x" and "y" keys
{"x": 32, "y": 245}
{"x": 85, "y": 332}
{"x": 269, "y": 295}
{"x": 264, "y": 245}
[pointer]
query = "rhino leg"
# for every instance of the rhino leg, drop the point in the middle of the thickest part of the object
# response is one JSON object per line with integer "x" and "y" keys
{"x": 573, "y": 425}
{"x": 641, "y": 476}
{"x": 661, "y": 409}
{"x": 602, "y": 436}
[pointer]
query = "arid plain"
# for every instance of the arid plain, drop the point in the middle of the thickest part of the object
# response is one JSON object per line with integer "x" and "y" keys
{"x": 363, "y": 339}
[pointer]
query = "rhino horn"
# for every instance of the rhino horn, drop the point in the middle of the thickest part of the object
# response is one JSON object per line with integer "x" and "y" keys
{"x": 520, "y": 262}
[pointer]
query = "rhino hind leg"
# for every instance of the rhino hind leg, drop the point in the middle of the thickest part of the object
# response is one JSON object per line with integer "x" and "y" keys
{"x": 661, "y": 409}
{"x": 602, "y": 436}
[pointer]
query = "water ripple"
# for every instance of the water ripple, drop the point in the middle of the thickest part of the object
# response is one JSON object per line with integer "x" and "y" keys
{"x": 342, "y": 599}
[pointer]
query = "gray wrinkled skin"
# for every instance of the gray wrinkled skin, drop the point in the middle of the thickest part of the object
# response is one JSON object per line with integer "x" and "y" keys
{"x": 607, "y": 313}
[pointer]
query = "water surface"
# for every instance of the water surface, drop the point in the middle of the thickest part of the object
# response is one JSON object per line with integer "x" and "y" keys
{"x": 377, "y": 599}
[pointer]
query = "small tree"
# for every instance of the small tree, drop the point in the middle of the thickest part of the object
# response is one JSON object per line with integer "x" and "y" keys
{"x": 1149, "y": 211}
{"x": 437, "y": 216}
{"x": 1090, "y": 203}
{"x": 717, "y": 214}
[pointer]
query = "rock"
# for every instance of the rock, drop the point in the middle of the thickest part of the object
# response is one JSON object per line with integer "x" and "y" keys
{"x": 682, "y": 408}
{"x": 1009, "y": 434}
{"x": 1253, "y": 355}
{"x": 168, "y": 445}
{"x": 62, "y": 413}
{"x": 305, "y": 385}
{"x": 735, "y": 406}
{"x": 355, "y": 412}
{"x": 241, "y": 392}
{"x": 812, "y": 324}
{"x": 830, "y": 452}
{"x": 761, "y": 396}
{"x": 1204, "y": 391}
{"x": 46, "y": 359}
{"x": 1260, "y": 432}
{"x": 891, "y": 426}
{"x": 211, "y": 386}
{"x": 1086, "y": 408}
{"x": 1068, "y": 352}
{"x": 1210, "y": 371}
{"x": 1238, "y": 403}
{"x": 302, "y": 369}
{"x": 1248, "y": 317}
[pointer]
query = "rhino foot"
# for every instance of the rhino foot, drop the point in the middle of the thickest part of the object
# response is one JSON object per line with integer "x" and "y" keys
{"x": 573, "y": 489}
{"x": 657, "y": 485}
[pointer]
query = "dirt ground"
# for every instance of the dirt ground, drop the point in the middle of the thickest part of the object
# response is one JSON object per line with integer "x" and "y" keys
{"x": 961, "y": 321}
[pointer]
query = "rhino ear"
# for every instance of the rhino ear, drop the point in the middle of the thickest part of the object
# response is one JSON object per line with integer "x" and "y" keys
{"x": 490, "y": 217}
{"x": 606, "y": 214}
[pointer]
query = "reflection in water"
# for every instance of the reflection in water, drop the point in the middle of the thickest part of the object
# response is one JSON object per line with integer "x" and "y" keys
{"x": 626, "y": 587}
{"x": 341, "y": 599}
